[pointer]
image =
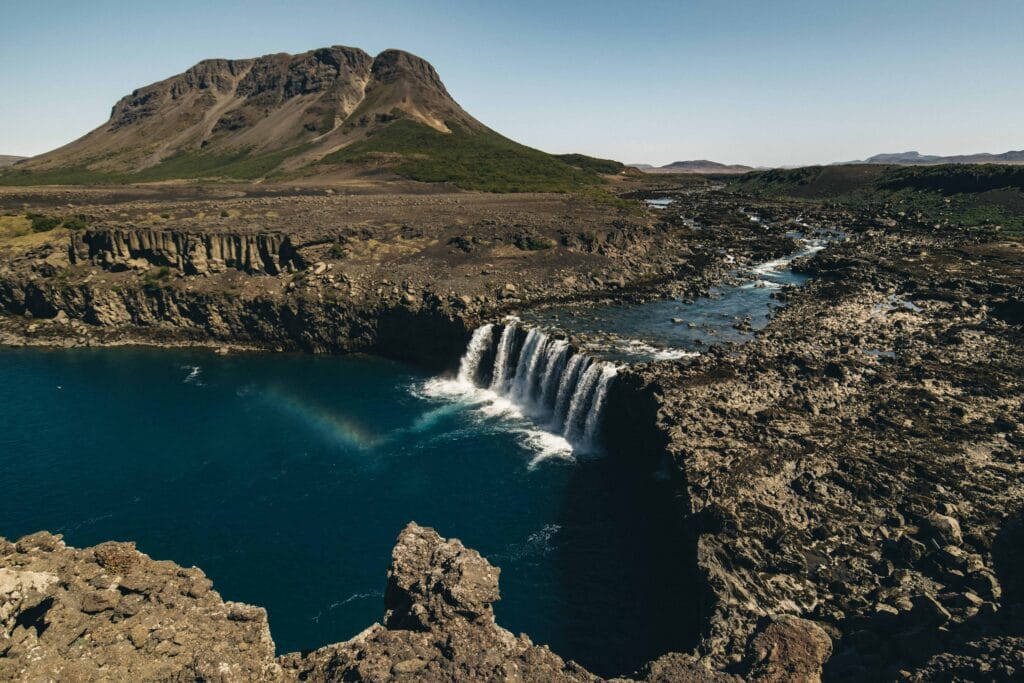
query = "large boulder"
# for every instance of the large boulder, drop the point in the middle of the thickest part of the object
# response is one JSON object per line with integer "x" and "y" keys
{"x": 112, "y": 613}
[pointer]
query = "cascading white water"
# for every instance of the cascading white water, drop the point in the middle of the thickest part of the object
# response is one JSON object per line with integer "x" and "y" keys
{"x": 581, "y": 399}
{"x": 480, "y": 342}
{"x": 591, "y": 425}
{"x": 558, "y": 355}
{"x": 501, "y": 360}
{"x": 567, "y": 384}
{"x": 542, "y": 377}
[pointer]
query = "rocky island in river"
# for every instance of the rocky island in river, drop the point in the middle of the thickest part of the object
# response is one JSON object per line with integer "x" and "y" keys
{"x": 835, "y": 472}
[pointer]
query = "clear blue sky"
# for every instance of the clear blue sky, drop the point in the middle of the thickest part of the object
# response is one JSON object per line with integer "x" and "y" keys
{"x": 753, "y": 81}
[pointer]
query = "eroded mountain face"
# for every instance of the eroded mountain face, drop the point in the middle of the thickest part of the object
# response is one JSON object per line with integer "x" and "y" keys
{"x": 303, "y": 106}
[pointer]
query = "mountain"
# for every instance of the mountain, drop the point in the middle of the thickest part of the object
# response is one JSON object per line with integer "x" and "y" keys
{"x": 694, "y": 166}
{"x": 7, "y": 159}
{"x": 917, "y": 159}
{"x": 311, "y": 113}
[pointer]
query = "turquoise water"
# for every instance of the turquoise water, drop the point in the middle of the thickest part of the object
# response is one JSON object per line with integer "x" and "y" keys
{"x": 286, "y": 478}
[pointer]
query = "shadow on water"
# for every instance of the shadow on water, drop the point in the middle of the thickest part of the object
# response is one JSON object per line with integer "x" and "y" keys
{"x": 627, "y": 572}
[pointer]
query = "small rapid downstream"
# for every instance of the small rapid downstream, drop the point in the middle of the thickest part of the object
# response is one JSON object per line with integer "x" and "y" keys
{"x": 527, "y": 369}
{"x": 672, "y": 329}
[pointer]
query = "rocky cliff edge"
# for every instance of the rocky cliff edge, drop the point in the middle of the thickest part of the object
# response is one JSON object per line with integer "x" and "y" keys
{"x": 112, "y": 613}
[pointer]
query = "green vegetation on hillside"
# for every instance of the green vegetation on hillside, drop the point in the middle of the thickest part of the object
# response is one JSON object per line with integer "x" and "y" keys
{"x": 240, "y": 165}
{"x": 472, "y": 160}
{"x": 956, "y": 195}
{"x": 593, "y": 164}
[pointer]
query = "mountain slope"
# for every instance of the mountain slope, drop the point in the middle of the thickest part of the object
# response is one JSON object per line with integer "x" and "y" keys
{"x": 694, "y": 166}
{"x": 298, "y": 115}
{"x": 7, "y": 159}
{"x": 918, "y": 159}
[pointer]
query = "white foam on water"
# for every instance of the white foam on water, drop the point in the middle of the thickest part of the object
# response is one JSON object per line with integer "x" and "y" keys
{"x": 540, "y": 390}
{"x": 194, "y": 371}
{"x": 537, "y": 543}
{"x": 543, "y": 537}
{"x": 356, "y": 596}
{"x": 772, "y": 267}
{"x": 489, "y": 405}
{"x": 547, "y": 446}
{"x": 761, "y": 284}
{"x": 636, "y": 347}
{"x": 430, "y": 418}
{"x": 352, "y": 598}
{"x": 659, "y": 202}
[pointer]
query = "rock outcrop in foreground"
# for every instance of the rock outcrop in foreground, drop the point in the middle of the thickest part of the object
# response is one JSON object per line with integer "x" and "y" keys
{"x": 112, "y": 613}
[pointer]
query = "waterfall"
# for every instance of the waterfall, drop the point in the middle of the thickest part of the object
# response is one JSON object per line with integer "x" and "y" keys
{"x": 469, "y": 367}
{"x": 501, "y": 360}
{"x": 543, "y": 377}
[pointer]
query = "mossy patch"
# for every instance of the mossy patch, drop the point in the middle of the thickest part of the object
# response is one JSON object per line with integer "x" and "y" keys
{"x": 470, "y": 159}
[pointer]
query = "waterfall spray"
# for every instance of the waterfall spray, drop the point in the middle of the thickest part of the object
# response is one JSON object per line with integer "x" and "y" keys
{"x": 543, "y": 377}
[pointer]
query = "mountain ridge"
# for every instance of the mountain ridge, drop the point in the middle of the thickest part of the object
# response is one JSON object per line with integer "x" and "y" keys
{"x": 331, "y": 115}
{"x": 911, "y": 158}
{"x": 310, "y": 104}
{"x": 693, "y": 166}
{"x": 914, "y": 158}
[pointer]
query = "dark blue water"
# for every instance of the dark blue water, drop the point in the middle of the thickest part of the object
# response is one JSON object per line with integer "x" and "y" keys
{"x": 286, "y": 478}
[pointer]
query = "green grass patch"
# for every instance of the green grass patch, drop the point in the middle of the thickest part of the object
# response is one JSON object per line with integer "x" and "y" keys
{"x": 14, "y": 226}
{"x": 76, "y": 222}
{"x": 534, "y": 243}
{"x": 472, "y": 160}
{"x": 42, "y": 223}
{"x": 626, "y": 207}
{"x": 157, "y": 277}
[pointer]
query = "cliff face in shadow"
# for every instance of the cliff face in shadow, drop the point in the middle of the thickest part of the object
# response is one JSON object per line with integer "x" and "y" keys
{"x": 427, "y": 332}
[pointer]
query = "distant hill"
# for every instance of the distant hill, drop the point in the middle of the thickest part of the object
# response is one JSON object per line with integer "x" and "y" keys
{"x": 7, "y": 159}
{"x": 956, "y": 195}
{"x": 283, "y": 115}
{"x": 694, "y": 166}
{"x": 918, "y": 159}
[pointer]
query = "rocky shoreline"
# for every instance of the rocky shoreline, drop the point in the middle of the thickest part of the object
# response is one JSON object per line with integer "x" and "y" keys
{"x": 112, "y": 613}
{"x": 859, "y": 462}
{"x": 847, "y": 483}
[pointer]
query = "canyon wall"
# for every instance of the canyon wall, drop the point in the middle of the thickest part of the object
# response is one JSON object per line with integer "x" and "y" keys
{"x": 429, "y": 333}
{"x": 189, "y": 253}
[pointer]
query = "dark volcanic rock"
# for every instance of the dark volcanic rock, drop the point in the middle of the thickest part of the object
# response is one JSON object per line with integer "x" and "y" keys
{"x": 439, "y": 626}
{"x": 111, "y": 612}
{"x": 855, "y": 463}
